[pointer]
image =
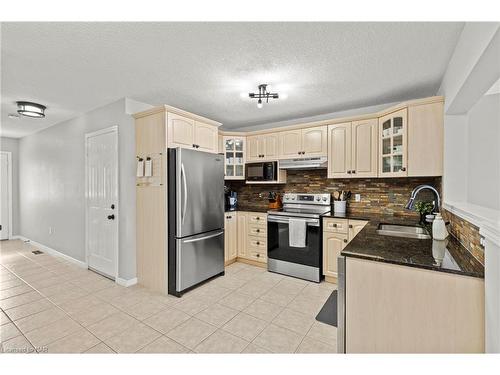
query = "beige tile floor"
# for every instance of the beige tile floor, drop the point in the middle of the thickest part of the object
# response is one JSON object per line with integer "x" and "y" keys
{"x": 51, "y": 305}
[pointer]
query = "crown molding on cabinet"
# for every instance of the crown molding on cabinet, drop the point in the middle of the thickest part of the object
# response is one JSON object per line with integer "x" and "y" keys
{"x": 394, "y": 108}
{"x": 180, "y": 112}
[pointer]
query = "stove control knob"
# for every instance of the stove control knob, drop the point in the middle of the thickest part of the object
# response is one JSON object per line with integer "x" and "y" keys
{"x": 324, "y": 199}
{"x": 318, "y": 199}
{"x": 293, "y": 198}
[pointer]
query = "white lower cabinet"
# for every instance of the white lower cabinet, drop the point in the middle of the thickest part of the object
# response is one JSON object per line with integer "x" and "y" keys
{"x": 337, "y": 233}
{"x": 245, "y": 237}
{"x": 230, "y": 237}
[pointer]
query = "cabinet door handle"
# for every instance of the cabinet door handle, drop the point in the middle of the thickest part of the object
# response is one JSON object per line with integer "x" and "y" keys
{"x": 194, "y": 146}
{"x": 228, "y": 217}
{"x": 257, "y": 230}
{"x": 345, "y": 240}
{"x": 353, "y": 171}
{"x": 349, "y": 172}
{"x": 350, "y": 225}
{"x": 403, "y": 169}
{"x": 334, "y": 225}
{"x": 257, "y": 255}
{"x": 257, "y": 243}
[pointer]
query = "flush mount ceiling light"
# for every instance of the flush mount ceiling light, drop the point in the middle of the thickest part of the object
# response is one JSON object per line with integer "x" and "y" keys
{"x": 30, "y": 109}
{"x": 263, "y": 94}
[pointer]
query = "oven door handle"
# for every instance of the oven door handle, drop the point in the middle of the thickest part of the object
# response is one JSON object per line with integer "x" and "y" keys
{"x": 286, "y": 220}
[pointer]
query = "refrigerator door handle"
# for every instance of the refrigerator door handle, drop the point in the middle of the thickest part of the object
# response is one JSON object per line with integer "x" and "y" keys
{"x": 184, "y": 186}
{"x": 203, "y": 238}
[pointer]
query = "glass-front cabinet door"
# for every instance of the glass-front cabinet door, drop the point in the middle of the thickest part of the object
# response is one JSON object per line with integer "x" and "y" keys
{"x": 234, "y": 157}
{"x": 393, "y": 144}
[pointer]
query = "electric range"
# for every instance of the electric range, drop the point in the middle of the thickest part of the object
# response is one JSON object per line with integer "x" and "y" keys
{"x": 294, "y": 235}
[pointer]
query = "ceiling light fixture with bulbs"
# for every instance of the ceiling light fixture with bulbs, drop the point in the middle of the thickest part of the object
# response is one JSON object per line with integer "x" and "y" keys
{"x": 30, "y": 109}
{"x": 263, "y": 94}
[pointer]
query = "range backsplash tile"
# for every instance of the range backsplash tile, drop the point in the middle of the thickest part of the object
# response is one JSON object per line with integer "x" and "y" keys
{"x": 378, "y": 195}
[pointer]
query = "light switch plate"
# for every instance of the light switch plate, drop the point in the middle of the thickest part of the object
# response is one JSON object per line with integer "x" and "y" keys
{"x": 357, "y": 197}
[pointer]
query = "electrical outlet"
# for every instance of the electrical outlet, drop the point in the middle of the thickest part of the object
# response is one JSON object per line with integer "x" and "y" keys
{"x": 357, "y": 197}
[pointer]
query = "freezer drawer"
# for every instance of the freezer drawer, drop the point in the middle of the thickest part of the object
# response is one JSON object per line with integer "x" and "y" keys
{"x": 198, "y": 258}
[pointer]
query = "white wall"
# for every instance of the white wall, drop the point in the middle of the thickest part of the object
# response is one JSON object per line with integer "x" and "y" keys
{"x": 483, "y": 169}
{"x": 12, "y": 145}
{"x": 471, "y": 182}
{"x": 52, "y": 179}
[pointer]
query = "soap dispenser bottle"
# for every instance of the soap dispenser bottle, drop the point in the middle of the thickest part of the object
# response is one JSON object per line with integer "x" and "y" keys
{"x": 439, "y": 231}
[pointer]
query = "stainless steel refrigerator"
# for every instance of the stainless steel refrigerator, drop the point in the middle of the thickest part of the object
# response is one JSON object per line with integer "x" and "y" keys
{"x": 195, "y": 218}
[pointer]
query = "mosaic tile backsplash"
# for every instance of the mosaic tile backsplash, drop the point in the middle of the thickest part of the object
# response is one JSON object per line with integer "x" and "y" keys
{"x": 466, "y": 233}
{"x": 378, "y": 195}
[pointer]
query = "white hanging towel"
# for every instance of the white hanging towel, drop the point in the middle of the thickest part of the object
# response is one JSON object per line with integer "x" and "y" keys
{"x": 140, "y": 168}
{"x": 148, "y": 169}
{"x": 297, "y": 232}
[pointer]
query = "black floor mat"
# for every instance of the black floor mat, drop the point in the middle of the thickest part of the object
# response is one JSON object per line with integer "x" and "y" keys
{"x": 328, "y": 313}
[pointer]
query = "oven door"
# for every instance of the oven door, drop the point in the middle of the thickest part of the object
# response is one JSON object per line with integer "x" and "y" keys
{"x": 278, "y": 242}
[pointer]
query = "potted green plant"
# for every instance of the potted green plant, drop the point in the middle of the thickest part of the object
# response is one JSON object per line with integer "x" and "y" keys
{"x": 424, "y": 208}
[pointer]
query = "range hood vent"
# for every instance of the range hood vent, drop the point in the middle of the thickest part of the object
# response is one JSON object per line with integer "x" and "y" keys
{"x": 304, "y": 163}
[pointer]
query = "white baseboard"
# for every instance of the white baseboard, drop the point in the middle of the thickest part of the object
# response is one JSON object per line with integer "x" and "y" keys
{"x": 52, "y": 251}
{"x": 126, "y": 282}
{"x": 49, "y": 250}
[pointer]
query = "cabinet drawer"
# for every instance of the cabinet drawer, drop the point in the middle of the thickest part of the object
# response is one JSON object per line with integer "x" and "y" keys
{"x": 257, "y": 256}
{"x": 257, "y": 230}
{"x": 335, "y": 225}
{"x": 257, "y": 219}
{"x": 257, "y": 244}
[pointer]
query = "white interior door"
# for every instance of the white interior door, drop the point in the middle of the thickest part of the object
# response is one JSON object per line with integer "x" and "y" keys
{"x": 102, "y": 201}
{"x": 4, "y": 199}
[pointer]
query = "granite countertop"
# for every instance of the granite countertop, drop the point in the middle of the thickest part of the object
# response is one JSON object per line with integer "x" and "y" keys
{"x": 370, "y": 245}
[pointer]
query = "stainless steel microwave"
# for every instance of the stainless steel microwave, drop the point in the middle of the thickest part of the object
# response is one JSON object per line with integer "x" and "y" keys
{"x": 262, "y": 171}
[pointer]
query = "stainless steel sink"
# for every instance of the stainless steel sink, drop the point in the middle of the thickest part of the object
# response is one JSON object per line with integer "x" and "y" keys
{"x": 408, "y": 231}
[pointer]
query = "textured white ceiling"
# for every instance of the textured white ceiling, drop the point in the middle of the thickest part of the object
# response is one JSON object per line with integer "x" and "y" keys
{"x": 204, "y": 67}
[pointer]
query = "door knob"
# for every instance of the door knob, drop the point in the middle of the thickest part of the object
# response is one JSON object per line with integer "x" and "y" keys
{"x": 111, "y": 217}
{"x": 112, "y": 206}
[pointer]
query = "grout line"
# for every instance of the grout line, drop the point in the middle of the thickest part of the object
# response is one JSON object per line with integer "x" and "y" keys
{"x": 167, "y": 306}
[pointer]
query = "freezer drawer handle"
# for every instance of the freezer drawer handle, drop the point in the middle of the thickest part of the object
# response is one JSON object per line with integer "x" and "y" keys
{"x": 203, "y": 238}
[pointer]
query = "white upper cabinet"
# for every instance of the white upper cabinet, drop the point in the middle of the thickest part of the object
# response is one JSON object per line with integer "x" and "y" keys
{"x": 270, "y": 146}
{"x": 314, "y": 141}
{"x": 364, "y": 137}
{"x": 339, "y": 150}
{"x": 352, "y": 149}
{"x": 234, "y": 157}
{"x": 187, "y": 133}
{"x": 303, "y": 143}
{"x": 180, "y": 131}
{"x": 425, "y": 139}
{"x": 393, "y": 140}
{"x": 262, "y": 147}
{"x": 290, "y": 144}
{"x": 205, "y": 137}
